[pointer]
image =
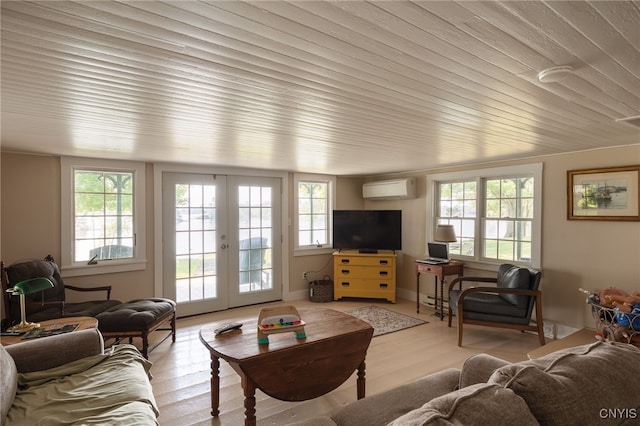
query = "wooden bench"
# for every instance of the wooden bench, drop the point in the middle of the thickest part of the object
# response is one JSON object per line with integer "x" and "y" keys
{"x": 139, "y": 318}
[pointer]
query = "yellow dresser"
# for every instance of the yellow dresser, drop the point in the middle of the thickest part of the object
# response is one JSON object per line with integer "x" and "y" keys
{"x": 364, "y": 275}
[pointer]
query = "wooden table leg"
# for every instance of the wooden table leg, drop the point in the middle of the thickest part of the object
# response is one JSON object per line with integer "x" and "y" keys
{"x": 249, "y": 401}
{"x": 418, "y": 292}
{"x": 442, "y": 298}
{"x": 361, "y": 381}
{"x": 215, "y": 385}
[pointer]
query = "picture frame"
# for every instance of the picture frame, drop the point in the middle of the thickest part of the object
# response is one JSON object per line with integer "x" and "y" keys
{"x": 610, "y": 193}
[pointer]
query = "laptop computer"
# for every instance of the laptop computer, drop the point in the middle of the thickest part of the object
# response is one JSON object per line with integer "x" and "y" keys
{"x": 438, "y": 253}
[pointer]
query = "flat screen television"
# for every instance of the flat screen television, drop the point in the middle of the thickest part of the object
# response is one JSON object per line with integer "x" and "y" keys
{"x": 367, "y": 230}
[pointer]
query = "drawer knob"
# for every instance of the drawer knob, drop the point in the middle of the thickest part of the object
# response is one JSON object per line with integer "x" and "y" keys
{"x": 384, "y": 273}
{"x": 383, "y": 285}
{"x": 384, "y": 262}
{"x": 344, "y": 284}
{"x": 345, "y": 271}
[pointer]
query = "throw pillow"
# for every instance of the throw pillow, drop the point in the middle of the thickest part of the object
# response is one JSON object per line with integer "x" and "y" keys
{"x": 581, "y": 385}
{"x": 480, "y": 404}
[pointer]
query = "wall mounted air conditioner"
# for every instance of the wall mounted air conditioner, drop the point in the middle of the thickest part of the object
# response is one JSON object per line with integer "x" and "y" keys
{"x": 396, "y": 189}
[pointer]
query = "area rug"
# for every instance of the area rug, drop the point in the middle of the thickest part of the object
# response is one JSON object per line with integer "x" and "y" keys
{"x": 383, "y": 320}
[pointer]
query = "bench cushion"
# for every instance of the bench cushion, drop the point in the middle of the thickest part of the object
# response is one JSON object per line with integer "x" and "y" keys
{"x": 135, "y": 315}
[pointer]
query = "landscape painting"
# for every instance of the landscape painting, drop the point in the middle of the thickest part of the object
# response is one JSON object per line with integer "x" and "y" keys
{"x": 604, "y": 194}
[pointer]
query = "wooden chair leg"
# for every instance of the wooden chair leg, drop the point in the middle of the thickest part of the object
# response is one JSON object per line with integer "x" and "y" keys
{"x": 460, "y": 322}
{"x": 539, "y": 320}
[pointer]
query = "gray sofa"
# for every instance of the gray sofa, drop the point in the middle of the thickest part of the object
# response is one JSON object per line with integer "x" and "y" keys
{"x": 590, "y": 384}
{"x": 69, "y": 379}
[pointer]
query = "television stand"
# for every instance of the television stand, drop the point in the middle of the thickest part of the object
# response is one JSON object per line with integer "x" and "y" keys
{"x": 368, "y": 251}
{"x": 365, "y": 275}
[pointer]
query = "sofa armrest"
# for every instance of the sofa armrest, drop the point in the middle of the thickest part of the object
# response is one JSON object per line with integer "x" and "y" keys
{"x": 48, "y": 352}
{"x": 382, "y": 408}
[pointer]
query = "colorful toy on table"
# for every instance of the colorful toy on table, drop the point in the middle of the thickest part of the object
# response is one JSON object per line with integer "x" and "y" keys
{"x": 279, "y": 320}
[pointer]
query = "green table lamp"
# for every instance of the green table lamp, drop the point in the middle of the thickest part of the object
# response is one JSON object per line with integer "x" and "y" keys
{"x": 30, "y": 286}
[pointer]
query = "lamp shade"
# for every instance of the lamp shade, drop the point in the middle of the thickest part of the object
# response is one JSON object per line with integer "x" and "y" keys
{"x": 32, "y": 285}
{"x": 445, "y": 234}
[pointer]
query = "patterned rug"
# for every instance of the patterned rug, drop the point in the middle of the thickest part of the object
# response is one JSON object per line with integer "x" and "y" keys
{"x": 383, "y": 320}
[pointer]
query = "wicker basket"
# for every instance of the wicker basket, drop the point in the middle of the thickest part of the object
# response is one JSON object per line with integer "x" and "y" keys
{"x": 321, "y": 290}
{"x": 609, "y": 327}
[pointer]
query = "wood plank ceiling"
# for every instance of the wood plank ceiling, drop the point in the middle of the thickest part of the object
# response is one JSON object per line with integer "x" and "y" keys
{"x": 339, "y": 87}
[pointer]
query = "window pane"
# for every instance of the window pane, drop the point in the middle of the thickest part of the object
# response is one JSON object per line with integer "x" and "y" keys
{"x": 509, "y": 199}
{"x": 103, "y": 215}
{"x": 457, "y": 206}
{"x": 313, "y": 213}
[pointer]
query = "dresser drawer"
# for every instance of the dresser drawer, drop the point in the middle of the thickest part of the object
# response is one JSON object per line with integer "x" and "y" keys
{"x": 365, "y": 284}
{"x": 375, "y": 272}
{"x": 364, "y": 261}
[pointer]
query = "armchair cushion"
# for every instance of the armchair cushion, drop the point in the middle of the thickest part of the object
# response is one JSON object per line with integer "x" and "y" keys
{"x": 81, "y": 309}
{"x": 27, "y": 269}
{"x": 486, "y": 304}
{"x": 513, "y": 277}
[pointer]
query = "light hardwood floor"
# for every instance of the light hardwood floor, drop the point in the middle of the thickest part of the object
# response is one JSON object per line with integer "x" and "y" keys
{"x": 181, "y": 370}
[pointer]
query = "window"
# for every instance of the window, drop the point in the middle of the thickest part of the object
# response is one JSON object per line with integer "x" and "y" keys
{"x": 314, "y": 204}
{"x": 496, "y": 213}
{"x": 103, "y": 212}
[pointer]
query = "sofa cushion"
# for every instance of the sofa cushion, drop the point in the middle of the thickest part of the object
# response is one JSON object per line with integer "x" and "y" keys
{"x": 566, "y": 387}
{"x": 8, "y": 382}
{"x": 480, "y": 404}
{"x": 513, "y": 277}
{"x": 479, "y": 368}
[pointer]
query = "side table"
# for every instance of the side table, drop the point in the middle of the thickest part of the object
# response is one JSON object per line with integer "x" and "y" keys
{"x": 287, "y": 368}
{"x": 580, "y": 337}
{"x": 84, "y": 323}
{"x": 454, "y": 267}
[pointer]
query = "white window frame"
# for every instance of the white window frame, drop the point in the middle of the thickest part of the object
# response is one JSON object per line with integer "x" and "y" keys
{"x": 68, "y": 265}
{"x": 330, "y": 181}
{"x": 476, "y": 261}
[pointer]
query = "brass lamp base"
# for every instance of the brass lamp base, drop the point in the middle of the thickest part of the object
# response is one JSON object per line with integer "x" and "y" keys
{"x": 23, "y": 327}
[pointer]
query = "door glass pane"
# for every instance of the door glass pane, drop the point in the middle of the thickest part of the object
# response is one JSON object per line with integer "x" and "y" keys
{"x": 195, "y": 210}
{"x": 255, "y": 238}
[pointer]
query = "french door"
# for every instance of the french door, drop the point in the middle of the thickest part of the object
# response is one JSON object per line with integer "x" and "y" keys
{"x": 221, "y": 241}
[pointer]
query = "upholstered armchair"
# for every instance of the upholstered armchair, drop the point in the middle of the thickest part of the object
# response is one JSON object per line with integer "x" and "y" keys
{"x": 50, "y": 303}
{"x": 508, "y": 303}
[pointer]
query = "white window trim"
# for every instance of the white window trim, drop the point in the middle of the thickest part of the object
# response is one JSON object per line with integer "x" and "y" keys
{"x": 331, "y": 182}
{"x": 533, "y": 169}
{"x": 69, "y": 267}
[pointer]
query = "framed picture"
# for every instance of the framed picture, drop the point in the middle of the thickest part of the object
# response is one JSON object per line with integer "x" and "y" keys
{"x": 604, "y": 194}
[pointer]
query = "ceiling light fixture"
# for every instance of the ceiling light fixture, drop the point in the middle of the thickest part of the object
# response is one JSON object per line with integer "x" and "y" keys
{"x": 554, "y": 74}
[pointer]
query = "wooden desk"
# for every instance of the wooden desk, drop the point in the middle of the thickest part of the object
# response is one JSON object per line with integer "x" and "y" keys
{"x": 84, "y": 323}
{"x": 287, "y": 368}
{"x": 440, "y": 271}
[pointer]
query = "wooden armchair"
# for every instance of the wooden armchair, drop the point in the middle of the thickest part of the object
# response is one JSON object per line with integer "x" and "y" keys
{"x": 508, "y": 304}
{"x": 50, "y": 303}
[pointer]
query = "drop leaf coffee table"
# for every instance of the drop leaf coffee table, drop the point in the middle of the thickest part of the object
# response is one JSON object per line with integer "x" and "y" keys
{"x": 287, "y": 368}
